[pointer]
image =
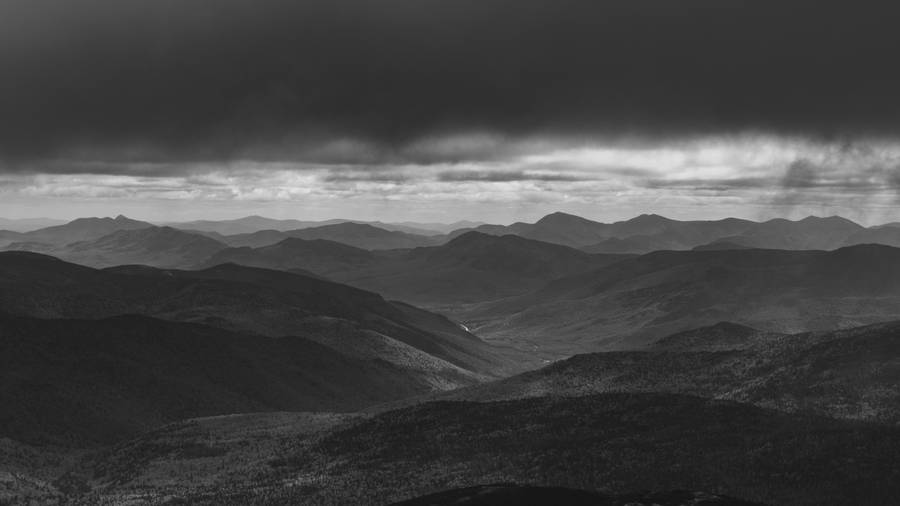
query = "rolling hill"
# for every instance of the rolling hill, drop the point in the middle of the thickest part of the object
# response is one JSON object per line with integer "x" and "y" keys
{"x": 472, "y": 267}
{"x": 244, "y": 299}
{"x": 651, "y": 232}
{"x": 807, "y": 234}
{"x": 620, "y": 443}
{"x": 319, "y": 256}
{"x": 850, "y": 374}
{"x": 637, "y": 301}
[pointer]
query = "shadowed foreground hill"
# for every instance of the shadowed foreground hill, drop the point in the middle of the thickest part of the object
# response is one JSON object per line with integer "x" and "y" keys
{"x": 78, "y": 382}
{"x": 512, "y": 495}
{"x": 354, "y": 322}
{"x": 618, "y": 443}
{"x": 634, "y": 302}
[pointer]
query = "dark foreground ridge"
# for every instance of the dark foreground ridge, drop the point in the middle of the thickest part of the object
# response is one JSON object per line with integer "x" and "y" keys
{"x": 520, "y": 495}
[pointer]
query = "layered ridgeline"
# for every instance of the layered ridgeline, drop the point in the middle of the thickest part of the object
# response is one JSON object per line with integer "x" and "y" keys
{"x": 617, "y": 422}
{"x": 650, "y": 232}
{"x": 359, "y": 235}
{"x": 634, "y": 302}
{"x": 472, "y": 267}
{"x": 250, "y": 224}
{"x": 849, "y": 374}
{"x": 139, "y": 346}
{"x": 163, "y": 345}
{"x": 81, "y": 229}
{"x": 642, "y": 234}
{"x": 102, "y": 242}
{"x": 154, "y": 246}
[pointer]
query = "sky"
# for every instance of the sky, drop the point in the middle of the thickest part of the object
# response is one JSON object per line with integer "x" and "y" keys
{"x": 440, "y": 110}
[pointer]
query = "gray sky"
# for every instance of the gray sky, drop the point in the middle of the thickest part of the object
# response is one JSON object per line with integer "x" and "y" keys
{"x": 434, "y": 110}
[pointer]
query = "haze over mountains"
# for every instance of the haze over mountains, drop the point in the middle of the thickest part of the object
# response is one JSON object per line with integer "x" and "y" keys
{"x": 318, "y": 363}
{"x": 638, "y": 235}
{"x": 634, "y": 302}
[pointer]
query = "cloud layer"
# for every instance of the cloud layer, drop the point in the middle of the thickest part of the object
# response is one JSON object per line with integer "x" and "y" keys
{"x": 355, "y": 80}
{"x": 537, "y": 104}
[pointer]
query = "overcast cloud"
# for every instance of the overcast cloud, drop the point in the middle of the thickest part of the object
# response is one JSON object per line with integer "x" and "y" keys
{"x": 504, "y": 109}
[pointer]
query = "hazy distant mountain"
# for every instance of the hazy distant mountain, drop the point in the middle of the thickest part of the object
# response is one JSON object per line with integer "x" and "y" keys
{"x": 247, "y": 225}
{"x": 318, "y": 256}
{"x": 436, "y": 228}
{"x": 363, "y": 236}
{"x": 647, "y": 233}
{"x": 639, "y": 300}
{"x": 155, "y": 246}
{"x": 28, "y": 224}
{"x": 256, "y": 239}
{"x": 644, "y": 233}
{"x": 81, "y": 229}
{"x": 562, "y": 228}
{"x": 809, "y": 233}
{"x": 252, "y": 224}
{"x": 651, "y": 232}
{"x": 474, "y": 267}
{"x": 720, "y": 245}
{"x": 470, "y": 268}
{"x": 354, "y": 234}
{"x": 888, "y": 235}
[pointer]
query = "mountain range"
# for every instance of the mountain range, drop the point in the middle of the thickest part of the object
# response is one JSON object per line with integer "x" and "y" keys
{"x": 472, "y": 267}
{"x": 651, "y": 232}
{"x": 80, "y": 229}
{"x": 847, "y": 374}
{"x": 648, "y": 361}
{"x": 632, "y": 303}
{"x": 250, "y": 224}
{"x": 359, "y": 235}
{"x": 642, "y": 234}
{"x": 270, "y": 313}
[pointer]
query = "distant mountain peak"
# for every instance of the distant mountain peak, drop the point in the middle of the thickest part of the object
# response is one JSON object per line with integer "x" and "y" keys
{"x": 650, "y": 218}
{"x": 561, "y": 217}
{"x": 829, "y": 219}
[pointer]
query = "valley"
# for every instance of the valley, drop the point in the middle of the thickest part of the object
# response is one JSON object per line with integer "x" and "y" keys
{"x": 159, "y": 364}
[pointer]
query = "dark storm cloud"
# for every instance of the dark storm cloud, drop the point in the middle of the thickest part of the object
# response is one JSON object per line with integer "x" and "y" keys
{"x": 204, "y": 80}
